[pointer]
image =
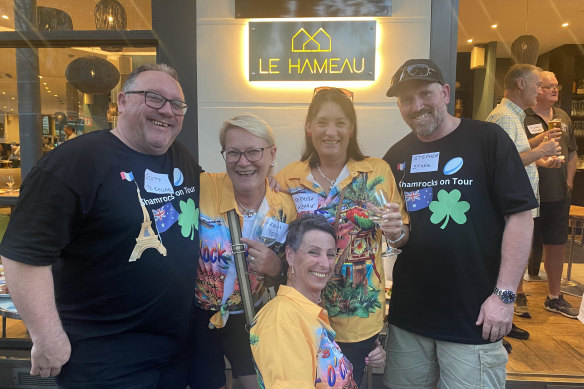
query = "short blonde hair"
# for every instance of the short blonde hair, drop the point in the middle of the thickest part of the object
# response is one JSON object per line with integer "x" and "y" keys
{"x": 250, "y": 123}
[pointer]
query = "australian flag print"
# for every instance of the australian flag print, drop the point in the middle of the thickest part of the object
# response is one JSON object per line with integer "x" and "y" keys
{"x": 418, "y": 199}
{"x": 165, "y": 217}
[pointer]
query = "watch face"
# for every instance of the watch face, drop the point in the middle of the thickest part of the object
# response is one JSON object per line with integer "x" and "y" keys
{"x": 507, "y": 296}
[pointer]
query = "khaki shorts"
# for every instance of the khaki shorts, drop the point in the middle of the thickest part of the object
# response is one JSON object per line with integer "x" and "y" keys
{"x": 414, "y": 361}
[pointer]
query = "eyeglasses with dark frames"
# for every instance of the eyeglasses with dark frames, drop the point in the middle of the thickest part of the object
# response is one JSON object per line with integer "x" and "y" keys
{"x": 252, "y": 155}
{"x": 156, "y": 101}
{"x": 416, "y": 70}
{"x": 344, "y": 91}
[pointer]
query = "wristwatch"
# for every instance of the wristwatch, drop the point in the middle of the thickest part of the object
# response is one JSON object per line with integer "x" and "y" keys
{"x": 507, "y": 296}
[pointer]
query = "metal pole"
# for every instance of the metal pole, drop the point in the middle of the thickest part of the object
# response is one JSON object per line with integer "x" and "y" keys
{"x": 28, "y": 86}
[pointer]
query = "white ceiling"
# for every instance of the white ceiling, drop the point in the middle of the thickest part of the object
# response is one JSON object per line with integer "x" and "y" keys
{"x": 541, "y": 18}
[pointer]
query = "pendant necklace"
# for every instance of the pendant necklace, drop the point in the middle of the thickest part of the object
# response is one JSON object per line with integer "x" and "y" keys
{"x": 248, "y": 212}
{"x": 332, "y": 182}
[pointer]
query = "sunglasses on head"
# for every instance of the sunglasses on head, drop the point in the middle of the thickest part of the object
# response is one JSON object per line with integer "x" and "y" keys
{"x": 416, "y": 70}
{"x": 343, "y": 91}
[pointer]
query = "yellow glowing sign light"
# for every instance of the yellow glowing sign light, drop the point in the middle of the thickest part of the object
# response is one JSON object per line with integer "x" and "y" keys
{"x": 302, "y": 41}
{"x": 312, "y": 50}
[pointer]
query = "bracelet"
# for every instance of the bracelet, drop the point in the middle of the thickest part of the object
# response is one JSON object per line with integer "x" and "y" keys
{"x": 403, "y": 233}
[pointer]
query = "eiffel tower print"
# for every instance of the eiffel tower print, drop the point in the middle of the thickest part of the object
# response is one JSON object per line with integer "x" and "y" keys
{"x": 146, "y": 239}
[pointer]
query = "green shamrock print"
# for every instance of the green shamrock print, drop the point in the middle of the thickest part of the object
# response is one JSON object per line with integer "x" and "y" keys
{"x": 188, "y": 218}
{"x": 448, "y": 207}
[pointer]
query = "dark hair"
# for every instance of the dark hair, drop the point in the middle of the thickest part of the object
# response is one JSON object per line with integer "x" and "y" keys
{"x": 336, "y": 96}
{"x": 156, "y": 67}
{"x": 307, "y": 222}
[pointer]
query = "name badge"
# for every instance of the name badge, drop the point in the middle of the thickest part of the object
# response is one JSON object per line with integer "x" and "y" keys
{"x": 157, "y": 183}
{"x": 535, "y": 128}
{"x": 305, "y": 202}
{"x": 274, "y": 230}
{"x": 425, "y": 162}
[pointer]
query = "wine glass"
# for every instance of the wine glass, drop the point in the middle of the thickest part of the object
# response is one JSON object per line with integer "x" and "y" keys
{"x": 375, "y": 211}
{"x": 10, "y": 182}
{"x": 265, "y": 229}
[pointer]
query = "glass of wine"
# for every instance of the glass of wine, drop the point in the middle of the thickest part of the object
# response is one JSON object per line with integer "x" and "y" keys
{"x": 10, "y": 182}
{"x": 375, "y": 211}
{"x": 265, "y": 229}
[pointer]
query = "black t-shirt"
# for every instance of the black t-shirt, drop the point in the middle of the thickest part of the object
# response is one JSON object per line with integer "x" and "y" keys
{"x": 457, "y": 191}
{"x": 120, "y": 230}
{"x": 553, "y": 185}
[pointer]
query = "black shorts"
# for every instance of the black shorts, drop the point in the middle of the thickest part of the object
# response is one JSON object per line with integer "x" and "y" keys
{"x": 209, "y": 346}
{"x": 552, "y": 223}
{"x": 356, "y": 353}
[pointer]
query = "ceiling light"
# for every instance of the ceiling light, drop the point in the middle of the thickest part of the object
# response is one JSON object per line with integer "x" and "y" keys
{"x": 13, "y": 98}
{"x": 565, "y": 24}
{"x": 469, "y": 41}
{"x": 44, "y": 83}
{"x": 3, "y": 93}
{"x": 40, "y": 76}
{"x": 56, "y": 95}
{"x": 493, "y": 26}
{"x": 5, "y": 17}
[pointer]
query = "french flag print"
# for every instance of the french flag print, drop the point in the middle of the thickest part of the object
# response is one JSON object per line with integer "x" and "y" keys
{"x": 127, "y": 176}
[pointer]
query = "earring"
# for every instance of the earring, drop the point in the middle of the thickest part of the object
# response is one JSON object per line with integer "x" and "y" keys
{"x": 309, "y": 133}
{"x": 272, "y": 164}
{"x": 292, "y": 270}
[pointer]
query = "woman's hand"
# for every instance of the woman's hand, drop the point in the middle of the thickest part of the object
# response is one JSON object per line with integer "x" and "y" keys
{"x": 376, "y": 358}
{"x": 391, "y": 223}
{"x": 262, "y": 259}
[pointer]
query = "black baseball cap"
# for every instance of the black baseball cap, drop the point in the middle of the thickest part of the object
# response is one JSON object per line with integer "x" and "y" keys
{"x": 415, "y": 69}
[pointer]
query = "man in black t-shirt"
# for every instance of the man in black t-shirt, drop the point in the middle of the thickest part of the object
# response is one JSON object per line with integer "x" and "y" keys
{"x": 555, "y": 188}
{"x": 101, "y": 251}
{"x": 470, "y": 202}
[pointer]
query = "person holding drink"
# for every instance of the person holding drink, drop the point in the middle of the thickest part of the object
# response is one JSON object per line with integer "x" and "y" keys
{"x": 542, "y": 121}
{"x": 249, "y": 150}
{"x": 334, "y": 179}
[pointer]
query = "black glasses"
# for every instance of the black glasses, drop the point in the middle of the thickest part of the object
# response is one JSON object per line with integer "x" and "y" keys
{"x": 344, "y": 91}
{"x": 252, "y": 155}
{"x": 417, "y": 70}
{"x": 156, "y": 101}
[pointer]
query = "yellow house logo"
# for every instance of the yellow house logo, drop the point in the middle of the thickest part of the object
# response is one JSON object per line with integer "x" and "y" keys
{"x": 319, "y": 42}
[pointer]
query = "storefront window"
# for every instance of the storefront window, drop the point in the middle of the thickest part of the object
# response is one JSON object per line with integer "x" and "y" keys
{"x": 84, "y": 15}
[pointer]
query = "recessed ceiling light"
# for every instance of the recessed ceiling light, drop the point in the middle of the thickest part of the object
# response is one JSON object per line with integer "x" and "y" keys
{"x": 3, "y": 93}
{"x": 565, "y": 24}
{"x": 469, "y": 41}
{"x": 5, "y": 17}
{"x": 56, "y": 95}
{"x": 44, "y": 83}
{"x": 493, "y": 26}
{"x": 13, "y": 98}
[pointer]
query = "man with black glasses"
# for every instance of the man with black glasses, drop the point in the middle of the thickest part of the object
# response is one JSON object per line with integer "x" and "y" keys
{"x": 544, "y": 121}
{"x": 469, "y": 202}
{"x": 101, "y": 251}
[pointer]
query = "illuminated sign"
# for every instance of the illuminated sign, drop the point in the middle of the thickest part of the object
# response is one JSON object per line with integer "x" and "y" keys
{"x": 310, "y": 51}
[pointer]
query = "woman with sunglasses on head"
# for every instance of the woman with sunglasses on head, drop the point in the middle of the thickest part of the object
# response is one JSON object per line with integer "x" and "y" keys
{"x": 249, "y": 151}
{"x": 335, "y": 179}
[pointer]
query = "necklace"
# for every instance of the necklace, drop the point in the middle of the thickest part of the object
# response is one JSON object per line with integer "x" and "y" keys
{"x": 248, "y": 212}
{"x": 332, "y": 182}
